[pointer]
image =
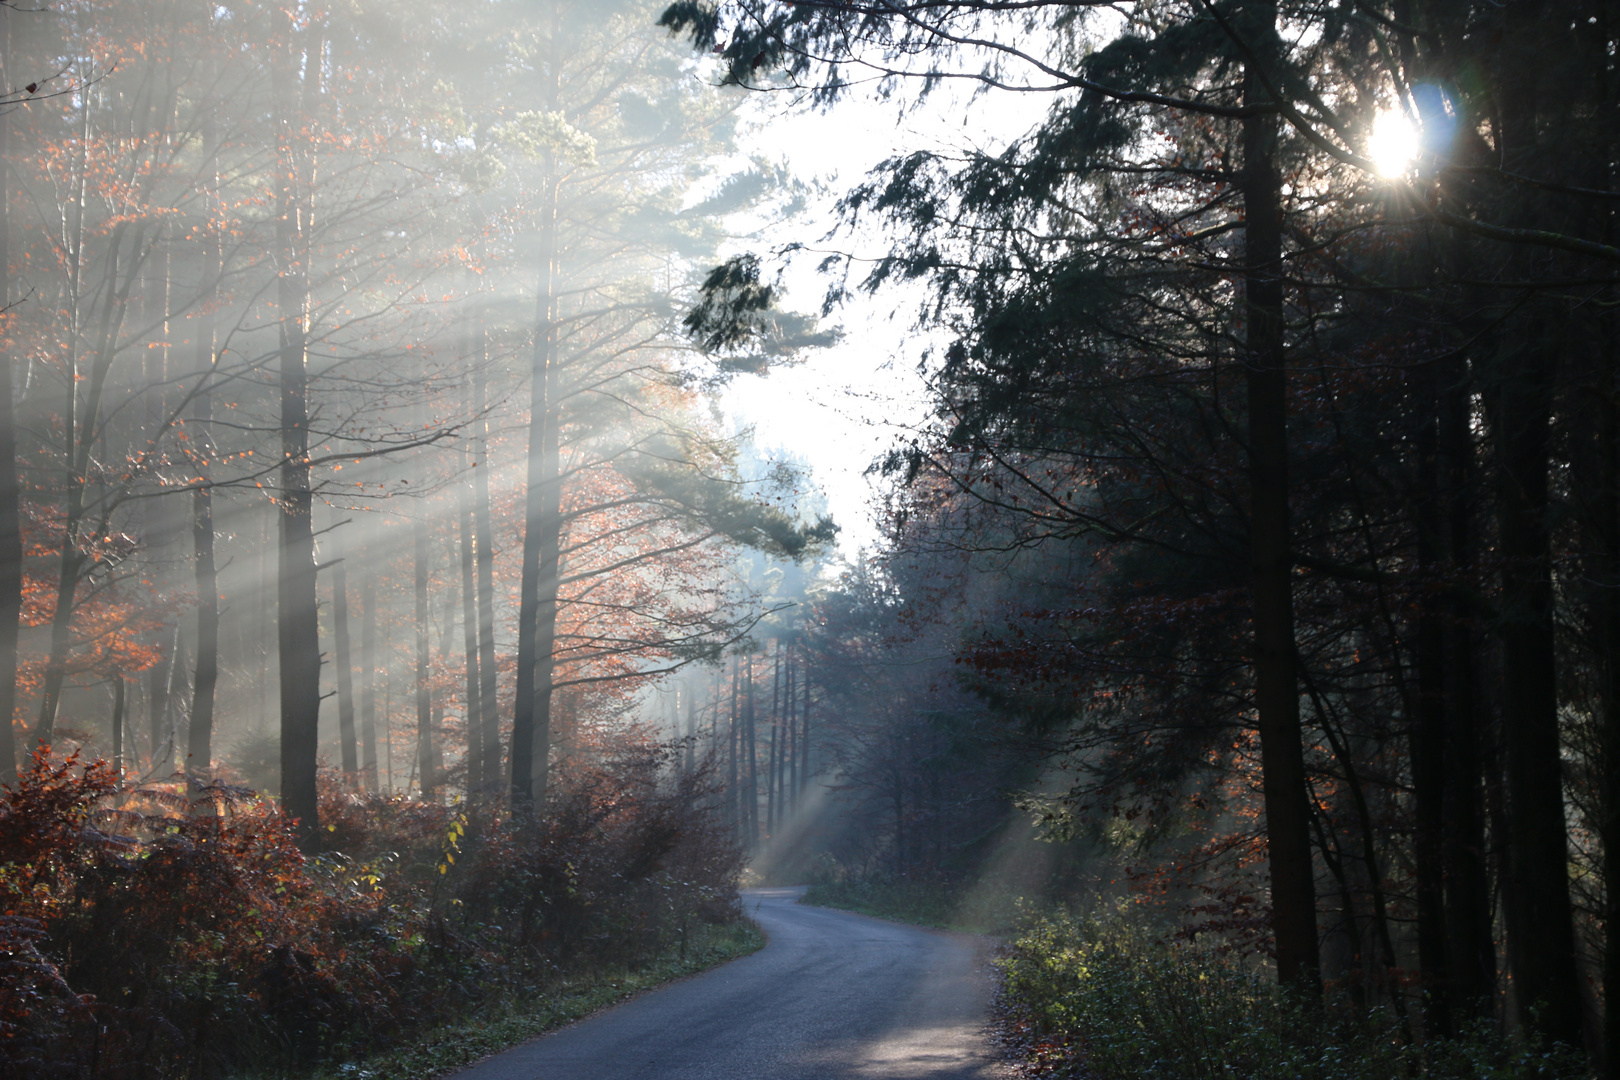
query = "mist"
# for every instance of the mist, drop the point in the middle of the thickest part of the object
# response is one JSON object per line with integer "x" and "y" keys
{"x": 359, "y": 438}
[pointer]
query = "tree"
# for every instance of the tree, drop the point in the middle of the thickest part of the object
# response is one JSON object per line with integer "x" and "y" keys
{"x": 1168, "y": 137}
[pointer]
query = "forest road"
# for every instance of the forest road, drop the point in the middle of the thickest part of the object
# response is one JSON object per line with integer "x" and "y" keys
{"x": 831, "y": 996}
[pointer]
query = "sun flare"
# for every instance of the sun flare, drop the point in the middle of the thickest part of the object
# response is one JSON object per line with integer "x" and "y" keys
{"x": 1394, "y": 143}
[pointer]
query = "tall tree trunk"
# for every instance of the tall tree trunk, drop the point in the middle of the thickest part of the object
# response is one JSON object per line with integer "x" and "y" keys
{"x": 200, "y": 737}
{"x": 1428, "y": 722}
{"x": 388, "y": 702}
{"x": 542, "y": 536}
{"x": 264, "y": 620}
{"x": 368, "y": 680}
{"x": 1541, "y": 933}
{"x": 200, "y": 742}
{"x": 68, "y": 569}
{"x": 689, "y": 758}
{"x": 804, "y": 737}
{"x": 81, "y": 429}
{"x": 752, "y": 750}
{"x": 345, "y": 671}
{"x": 177, "y": 696}
{"x": 733, "y": 796}
{"x": 159, "y": 706}
{"x": 469, "y": 638}
{"x": 118, "y": 723}
{"x": 1470, "y": 946}
{"x": 10, "y": 509}
{"x": 1288, "y": 842}
{"x": 1600, "y": 36}
{"x": 790, "y": 749}
{"x": 776, "y": 724}
{"x": 1606, "y": 617}
{"x": 1541, "y": 928}
{"x": 426, "y": 755}
{"x": 489, "y": 721}
{"x": 297, "y": 620}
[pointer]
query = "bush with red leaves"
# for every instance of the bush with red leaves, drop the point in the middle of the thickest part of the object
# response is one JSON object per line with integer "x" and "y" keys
{"x": 144, "y": 934}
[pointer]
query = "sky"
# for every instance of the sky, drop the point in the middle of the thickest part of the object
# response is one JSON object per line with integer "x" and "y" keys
{"x": 840, "y": 408}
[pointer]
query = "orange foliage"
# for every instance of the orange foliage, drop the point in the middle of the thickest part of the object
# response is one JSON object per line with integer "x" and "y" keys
{"x": 142, "y": 935}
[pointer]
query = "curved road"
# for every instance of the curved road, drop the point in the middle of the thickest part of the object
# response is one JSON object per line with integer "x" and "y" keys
{"x": 833, "y": 995}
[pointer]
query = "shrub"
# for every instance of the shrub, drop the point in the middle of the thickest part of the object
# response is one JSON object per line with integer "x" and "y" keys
{"x": 913, "y": 900}
{"x": 146, "y": 935}
{"x": 1098, "y": 997}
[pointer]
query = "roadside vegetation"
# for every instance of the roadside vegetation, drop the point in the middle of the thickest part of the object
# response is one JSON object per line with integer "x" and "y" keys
{"x": 945, "y": 904}
{"x": 1102, "y": 997}
{"x": 919, "y": 902}
{"x": 146, "y": 933}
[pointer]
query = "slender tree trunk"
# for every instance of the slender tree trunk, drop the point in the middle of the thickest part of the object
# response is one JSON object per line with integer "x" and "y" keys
{"x": 1541, "y": 933}
{"x": 1471, "y": 950}
{"x": 177, "y": 697}
{"x": 1598, "y": 40}
{"x": 542, "y": 518}
{"x": 10, "y": 507}
{"x": 200, "y": 741}
{"x": 469, "y": 637}
{"x": 771, "y": 750}
{"x": 68, "y": 570}
{"x": 117, "y": 722}
{"x": 489, "y": 723}
{"x": 690, "y": 757}
{"x": 1428, "y": 724}
{"x": 425, "y": 748}
{"x": 776, "y": 723}
{"x": 1606, "y": 609}
{"x": 263, "y": 620}
{"x": 1293, "y": 888}
{"x": 297, "y": 620}
{"x": 1542, "y": 924}
{"x": 368, "y": 680}
{"x": 158, "y": 704}
{"x": 790, "y": 749}
{"x": 804, "y": 737}
{"x": 388, "y": 702}
{"x": 345, "y": 671}
{"x": 542, "y": 530}
{"x": 81, "y": 430}
{"x": 1607, "y": 606}
{"x": 753, "y": 760}
{"x": 200, "y": 737}
{"x": 1470, "y": 942}
{"x": 733, "y": 796}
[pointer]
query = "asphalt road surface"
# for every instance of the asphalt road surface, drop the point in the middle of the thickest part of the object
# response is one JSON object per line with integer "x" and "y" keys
{"x": 832, "y": 996}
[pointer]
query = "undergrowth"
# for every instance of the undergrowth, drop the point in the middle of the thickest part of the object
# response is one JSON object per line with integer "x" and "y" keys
{"x": 513, "y": 1020}
{"x": 942, "y": 904}
{"x": 1099, "y": 998}
{"x": 154, "y": 933}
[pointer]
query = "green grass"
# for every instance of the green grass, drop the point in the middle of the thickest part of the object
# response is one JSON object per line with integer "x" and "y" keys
{"x": 501, "y": 1025}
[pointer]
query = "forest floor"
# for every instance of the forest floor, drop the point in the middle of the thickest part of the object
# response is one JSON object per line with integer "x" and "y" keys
{"x": 502, "y": 1025}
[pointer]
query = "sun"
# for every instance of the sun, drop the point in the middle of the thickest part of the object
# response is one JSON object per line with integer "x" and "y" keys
{"x": 1394, "y": 143}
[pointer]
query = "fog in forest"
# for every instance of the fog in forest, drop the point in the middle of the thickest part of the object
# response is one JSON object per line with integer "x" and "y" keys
{"x": 483, "y": 484}
{"x": 316, "y": 318}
